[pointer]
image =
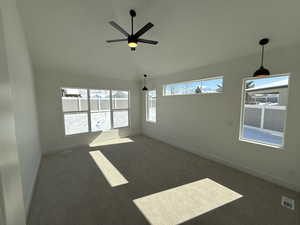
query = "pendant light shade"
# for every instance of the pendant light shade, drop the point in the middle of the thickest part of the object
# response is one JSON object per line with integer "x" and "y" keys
{"x": 145, "y": 88}
{"x": 262, "y": 71}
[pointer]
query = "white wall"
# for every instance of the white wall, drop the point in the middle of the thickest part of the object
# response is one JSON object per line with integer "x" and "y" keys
{"x": 11, "y": 186}
{"x": 209, "y": 124}
{"x": 48, "y": 86}
{"x": 23, "y": 93}
{"x": 2, "y": 213}
{"x": 22, "y": 99}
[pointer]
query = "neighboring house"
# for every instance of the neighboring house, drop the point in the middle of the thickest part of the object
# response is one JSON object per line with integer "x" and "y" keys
{"x": 70, "y": 92}
{"x": 275, "y": 93}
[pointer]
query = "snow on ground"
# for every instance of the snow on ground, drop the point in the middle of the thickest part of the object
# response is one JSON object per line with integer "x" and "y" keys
{"x": 78, "y": 123}
{"x": 100, "y": 121}
{"x": 262, "y": 136}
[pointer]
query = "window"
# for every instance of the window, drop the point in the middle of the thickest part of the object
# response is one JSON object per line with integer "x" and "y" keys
{"x": 151, "y": 106}
{"x": 120, "y": 108}
{"x": 100, "y": 110}
{"x": 264, "y": 109}
{"x": 75, "y": 108}
{"x": 203, "y": 86}
{"x": 94, "y": 110}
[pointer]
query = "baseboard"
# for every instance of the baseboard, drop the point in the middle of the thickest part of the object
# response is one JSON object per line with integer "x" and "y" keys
{"x": 62, "y": 149}
{"x": 28, "y": 206}
{"x": 2, "y": 212}
{"x": 57, "y": 149}
{"x": 298, "y": 207}
{"x": 239, "y": 167}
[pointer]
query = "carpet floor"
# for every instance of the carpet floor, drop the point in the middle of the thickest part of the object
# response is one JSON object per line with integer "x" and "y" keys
{"x": 141, "y": 181}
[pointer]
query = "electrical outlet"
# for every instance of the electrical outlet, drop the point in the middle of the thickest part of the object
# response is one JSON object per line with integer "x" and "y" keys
{"x": 288, "y": 202}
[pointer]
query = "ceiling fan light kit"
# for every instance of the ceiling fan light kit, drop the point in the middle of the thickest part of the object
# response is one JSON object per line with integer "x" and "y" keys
{"x": 261, "y": 72}
{"x": 133, "y": 39}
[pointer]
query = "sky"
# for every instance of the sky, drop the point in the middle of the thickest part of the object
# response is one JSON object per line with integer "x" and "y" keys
{"x": 267, "y": 80}
{"x": 206, "y": 85}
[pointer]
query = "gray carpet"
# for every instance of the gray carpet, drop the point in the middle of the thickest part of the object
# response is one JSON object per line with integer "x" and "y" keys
{"x": 71, "y": 190}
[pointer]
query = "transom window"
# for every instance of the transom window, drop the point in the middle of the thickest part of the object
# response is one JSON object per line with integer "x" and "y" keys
{"x": 151, "y": 106}
{"x": 203, "y": 86}
{"x": 94, "y": 110}
{"x": 264, "y": 110}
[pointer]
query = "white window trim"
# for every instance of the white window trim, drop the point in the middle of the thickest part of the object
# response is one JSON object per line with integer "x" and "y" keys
{"x": 89, "y": 111}
{"x": 190, "y": 81}
{"x": 242, "y": 116}
{"x": 147, "y": 108}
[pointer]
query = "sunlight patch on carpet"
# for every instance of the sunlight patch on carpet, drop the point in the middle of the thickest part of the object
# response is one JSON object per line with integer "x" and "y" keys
{"x": 110, "y": 172}
{"x": 180, "y": 204}
{"x": 116, "y": 141}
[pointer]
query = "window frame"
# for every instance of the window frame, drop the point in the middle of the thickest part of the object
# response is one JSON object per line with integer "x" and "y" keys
{"x": 88, "y": 111}
{"x": 190, "y": 81}
{"x": 74, "y": 112}
{"x": 147, "y": 107}
{"x": 112, "y": 110}
{"x": 242, "y": 114}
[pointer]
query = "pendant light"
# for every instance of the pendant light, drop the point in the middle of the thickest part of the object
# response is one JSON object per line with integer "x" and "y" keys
{"x": 145, "y": 88}
{"x": 262, "y": 71}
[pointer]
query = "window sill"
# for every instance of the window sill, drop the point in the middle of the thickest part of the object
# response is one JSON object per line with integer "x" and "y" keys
{"x": 117, "y": 128}
{"x": 199, "y": 94}
{"x": 150, "y": 121}
{"x": 99, "y": 131}
{"x": 279, "y": 147}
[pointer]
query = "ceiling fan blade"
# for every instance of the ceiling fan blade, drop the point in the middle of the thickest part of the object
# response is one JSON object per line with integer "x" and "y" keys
{"x": 119, "y": 28}
{"x": 143, "y": 30}
{"x": 148, "y": 41}
{"x": 117, "y": 40}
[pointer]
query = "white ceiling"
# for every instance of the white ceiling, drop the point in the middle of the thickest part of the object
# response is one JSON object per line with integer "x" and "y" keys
{"x": 69, "y": 35}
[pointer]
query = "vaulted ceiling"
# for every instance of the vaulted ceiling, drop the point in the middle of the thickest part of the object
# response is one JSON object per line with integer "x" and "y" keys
{"x": 69, "y": 35}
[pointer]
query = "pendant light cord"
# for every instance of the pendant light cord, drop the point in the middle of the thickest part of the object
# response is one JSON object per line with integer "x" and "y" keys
{"x": 262, "y": 56}
{"x": 131, "y": 25}
{"x": 261, "y": 70}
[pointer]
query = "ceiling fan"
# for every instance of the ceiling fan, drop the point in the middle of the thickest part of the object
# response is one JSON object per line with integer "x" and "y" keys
{"x": 132, "y": 39}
